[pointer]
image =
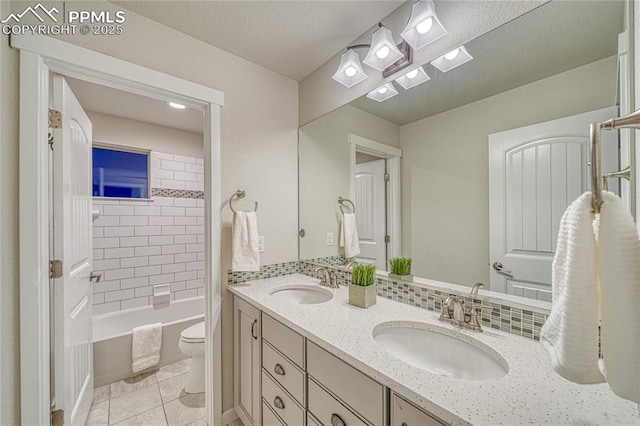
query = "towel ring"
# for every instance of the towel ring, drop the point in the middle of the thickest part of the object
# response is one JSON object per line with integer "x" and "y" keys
{"x": 240, "y": 193}
{"x": 341, "y": 201}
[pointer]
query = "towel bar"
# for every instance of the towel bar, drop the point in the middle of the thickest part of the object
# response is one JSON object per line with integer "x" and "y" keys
{"x": 341, "y": 201}
{"x": 240, "y": 193}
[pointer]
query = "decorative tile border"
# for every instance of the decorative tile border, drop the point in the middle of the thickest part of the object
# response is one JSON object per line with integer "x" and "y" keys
{"x": 176, "y": 193}
{"x": 266, "y": 271}
{"x": 338, "y": 260}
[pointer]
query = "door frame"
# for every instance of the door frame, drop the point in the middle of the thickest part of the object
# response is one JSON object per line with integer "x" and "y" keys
{"x": 38, "y": 57}
{"x": 392, "y": 155}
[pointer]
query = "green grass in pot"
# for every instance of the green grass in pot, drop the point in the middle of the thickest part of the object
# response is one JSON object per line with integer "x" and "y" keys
{"x": 363, "y": 275}
{"x": 400, "y": 266}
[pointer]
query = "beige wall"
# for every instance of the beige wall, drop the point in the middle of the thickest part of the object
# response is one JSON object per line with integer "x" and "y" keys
{"x": 324, "y": 172}
{"x": 137, "y": 134}
{"x": 445, "y": 188}
{"x": 259, "y": 154}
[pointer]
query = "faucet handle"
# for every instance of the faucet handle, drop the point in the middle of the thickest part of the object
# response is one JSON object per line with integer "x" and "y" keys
{"x": 333, "y": 280}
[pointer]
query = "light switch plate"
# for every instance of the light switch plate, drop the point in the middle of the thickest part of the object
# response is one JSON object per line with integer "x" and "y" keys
{"x": 329, "y": 238}
{"x": 261, "y": 244}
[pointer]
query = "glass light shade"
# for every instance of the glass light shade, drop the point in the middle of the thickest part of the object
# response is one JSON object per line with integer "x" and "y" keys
{"x": 452, "y": 59}
{"x": 413, "y": 78}
{"x": 383, "y": 51}
{"x": 383, "y": 93}
{"x": 423, "y": 27}
{"x": 349, "y": 71}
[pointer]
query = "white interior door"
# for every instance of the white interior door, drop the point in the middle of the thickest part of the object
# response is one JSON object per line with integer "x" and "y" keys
{"x": 72, "y": 245}
{"x": 371, "y": 210}
{"x": 535, "y": 172}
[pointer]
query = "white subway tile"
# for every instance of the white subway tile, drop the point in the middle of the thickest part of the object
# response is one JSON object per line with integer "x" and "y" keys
{"x": 186, "y": 176}
{"x": 201, "y": 256}
{"x": 161, "y": 240}
{"x": 185, "y": 202}
{"x": 200, "y": 203}
{"x": 155, "y": 162}
{"x": 200, "y": 238}
{"x": 145, "y": 271}
{"x": 134, "y": 303}
{"x": 132, "y": 262}
{"x": 148, "y": 250}
{"x": 144, "y": 291}
{"x": 156, "y": 182}
{"x": 98, "y": 231}
{"x": 174, "y": 267}
{"x": 147, "y": 211}
{"x": 185, "y": 220}
{"x": 194, "y": 186}
{"x": 134, "y": 202}
{"x": 101, "y": 243}
{"x": 200, "y": 178}
{"x": 201, "y": 273}
{"x": 134, "y": 282}
{"x": 148, "y": 230}
{"x": 161, "y": 260}
{"x": 201, "y": 291}
{"x": 162, "y": 173}
{"x": 112, "y": 296}
{"x": 173, "y": 211}
{"x": 173, "y": 184}
{"x": 134, "y": 221}
{"x": 117, "y": 211}
{"x": 196, "y": 211}
{"x": 118, "y": 274}
{"x": 161, "y": 279}
{"x": 186, "y": 294}
{"x": 178, "y": 286}
{"x": 186, "y": 257}
{"x": 173, "y": 248}
{"x": 200, "y": 220}
{"x": 173, "y": 230}
{"x": 103, "y": 201}
{"x": 194, "y": 230}
{"x": 161, "y": 155}
{"x": 199, "y": 161}
{"x": 107, "y": 220}
{"x": 106, "y": 308}
{"x": 194, "y": 247}
{"x": 194, "y": 168}
{"x": 134, "y": 241}
{"x": 101, "y": 265}
{"x": 186, "y": 239}
{"x": 160, "y": 220}
{"x": 98, "y": 298}
{"x": 163, "y": 201}
{"x": 195, "y": 283}
{"x": 173, "y": 165}
{"x": 112, "y": 253}
{"x": 119, "y": 231}
{"x": 102, "y": 286}
{"x": 191, "y": 266}
{"x": 186, "y": 276}
{"x": 185, "y": 159}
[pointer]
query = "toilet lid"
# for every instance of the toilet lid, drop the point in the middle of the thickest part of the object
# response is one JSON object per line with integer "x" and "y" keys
{"x": 195, "y": 333}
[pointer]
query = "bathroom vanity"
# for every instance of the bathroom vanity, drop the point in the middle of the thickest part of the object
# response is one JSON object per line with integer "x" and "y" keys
{"x": 303, "y": 362}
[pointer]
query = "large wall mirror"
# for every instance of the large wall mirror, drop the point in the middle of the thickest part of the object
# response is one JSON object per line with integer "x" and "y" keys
{"x": 481, "y": 160}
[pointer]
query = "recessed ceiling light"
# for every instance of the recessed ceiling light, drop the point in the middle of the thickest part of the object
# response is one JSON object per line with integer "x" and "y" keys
{"x": 453, "y": 59}
{"x": 176, "y": 105}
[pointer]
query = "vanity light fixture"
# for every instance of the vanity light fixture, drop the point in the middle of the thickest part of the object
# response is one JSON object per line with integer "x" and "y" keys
{"x": 453, "y": 59}
{"x": 176, "y": 105}
{"x": 350, "y": 71}
{"x": 383, "y": 51}
{"x": 423, "y": 27}
{"x": 383, "y": 92}
{"x": 413, "y": 78}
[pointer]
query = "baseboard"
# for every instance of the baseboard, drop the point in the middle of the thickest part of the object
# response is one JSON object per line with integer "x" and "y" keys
{"x": 229, "y": 416}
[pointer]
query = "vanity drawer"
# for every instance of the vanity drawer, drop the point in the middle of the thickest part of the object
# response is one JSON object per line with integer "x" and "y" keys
{"x": 330, "y": 411}
{"x": 403, "y": 413}
{"x": 362, "y": 393}
{"x": 287, "y": 341}
{"x": 311, "y": 421}
{"x": 268, "y": 417}
{"x": 283, "y": 371}
{"x": 281, "y": 402}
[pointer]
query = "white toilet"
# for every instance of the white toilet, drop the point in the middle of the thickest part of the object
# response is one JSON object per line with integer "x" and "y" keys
{"x": 192, "y": 344}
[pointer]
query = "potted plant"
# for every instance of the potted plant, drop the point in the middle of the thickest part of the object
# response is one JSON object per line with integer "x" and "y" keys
{"x": 362, "y": 291}
{"x": 400, "y": 268}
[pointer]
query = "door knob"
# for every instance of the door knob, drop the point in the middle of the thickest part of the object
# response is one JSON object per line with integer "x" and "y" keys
{"x": 500, "y": 268}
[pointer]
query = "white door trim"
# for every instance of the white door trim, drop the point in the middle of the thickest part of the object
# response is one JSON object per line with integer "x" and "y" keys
{"x": 39, "y": 56}
{"x": 393, "y": 155}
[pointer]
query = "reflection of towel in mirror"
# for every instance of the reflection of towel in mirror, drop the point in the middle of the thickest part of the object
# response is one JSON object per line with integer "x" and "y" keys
{"x": 244, "y": 242}
{"x": 147, "y": 341}
{"x": 349, "y": 235}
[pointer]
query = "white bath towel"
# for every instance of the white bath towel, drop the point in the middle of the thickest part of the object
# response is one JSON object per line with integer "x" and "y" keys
{"x": 619, "y": 252}
{"x": 349, "y": 235}
{"x": 147, "y": 341}
{"x": 570, "y": 333}
{"x": 244, "y": 242}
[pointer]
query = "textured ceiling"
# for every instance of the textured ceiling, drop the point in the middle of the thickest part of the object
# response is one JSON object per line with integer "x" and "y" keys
{"x": 556, "y": 37}
{"x": 292, "y": 38}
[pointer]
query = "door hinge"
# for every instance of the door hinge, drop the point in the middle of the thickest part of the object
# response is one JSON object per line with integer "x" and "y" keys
{"x": 55, "y": 269}
{"x": 55, "y": 119}
{"x": 387, "y": 239}
{"x": 387, "y": 177}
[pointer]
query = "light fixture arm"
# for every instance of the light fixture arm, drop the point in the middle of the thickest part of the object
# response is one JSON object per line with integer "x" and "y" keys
{"x": 358, "y": 46}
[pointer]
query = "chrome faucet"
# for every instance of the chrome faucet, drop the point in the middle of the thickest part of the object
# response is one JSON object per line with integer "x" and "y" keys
{"x": 476, "y": 288}
{"x": 327, "y": 278}
{"x": 453, "y": 313}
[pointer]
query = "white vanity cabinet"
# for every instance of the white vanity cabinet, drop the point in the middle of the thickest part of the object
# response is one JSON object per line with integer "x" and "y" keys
{"x": 246, "y": 368}
{"x": 403, "y": 413}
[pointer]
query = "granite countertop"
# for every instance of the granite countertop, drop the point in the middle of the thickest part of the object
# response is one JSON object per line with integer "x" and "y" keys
{"x": 530, "y": 393}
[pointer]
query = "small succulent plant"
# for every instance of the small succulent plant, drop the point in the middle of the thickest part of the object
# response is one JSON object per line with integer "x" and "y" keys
{"x": 400, "y": 265}
{"x": 363, "y": 275}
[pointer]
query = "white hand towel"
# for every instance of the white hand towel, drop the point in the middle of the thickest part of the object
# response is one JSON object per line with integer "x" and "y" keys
{"x": 147, "y": 341}
{"x": 570, "y": 334}
{"x": 244, "y": 244}
{"x": 349, "y": 235}
{"x": 619, "y": 252}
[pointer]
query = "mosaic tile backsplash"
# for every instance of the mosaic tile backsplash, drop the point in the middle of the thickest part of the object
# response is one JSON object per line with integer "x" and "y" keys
{"x": 498, "y": 316}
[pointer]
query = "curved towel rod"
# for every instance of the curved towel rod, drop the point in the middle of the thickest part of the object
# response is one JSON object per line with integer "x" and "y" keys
{"x": 341, "y": 201}
{"x": 240, "y": 193}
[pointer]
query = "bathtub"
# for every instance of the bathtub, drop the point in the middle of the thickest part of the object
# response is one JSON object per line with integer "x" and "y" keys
{"x": 112, "y": 336}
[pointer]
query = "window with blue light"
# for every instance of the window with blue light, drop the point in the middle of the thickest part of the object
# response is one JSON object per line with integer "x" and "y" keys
{"x": 120, "y": 174}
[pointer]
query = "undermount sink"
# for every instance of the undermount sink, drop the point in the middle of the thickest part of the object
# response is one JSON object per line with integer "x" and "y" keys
{"x": 440, "y": 351}
{"x": 301, "y": 294}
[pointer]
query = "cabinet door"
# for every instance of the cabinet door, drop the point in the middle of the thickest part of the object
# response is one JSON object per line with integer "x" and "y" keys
{"x": 246, "y": 345}
{"x": 405, "y": 414}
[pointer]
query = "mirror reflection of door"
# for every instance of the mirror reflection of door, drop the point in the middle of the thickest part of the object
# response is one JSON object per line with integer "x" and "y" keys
{"x": 371, "y": 208}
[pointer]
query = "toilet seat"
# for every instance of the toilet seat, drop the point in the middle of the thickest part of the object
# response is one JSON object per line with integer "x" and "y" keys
{"x": 193, "y": 334}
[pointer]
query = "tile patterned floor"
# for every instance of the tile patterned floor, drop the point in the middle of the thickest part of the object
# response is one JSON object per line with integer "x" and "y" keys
{"x": 150, "y": 399}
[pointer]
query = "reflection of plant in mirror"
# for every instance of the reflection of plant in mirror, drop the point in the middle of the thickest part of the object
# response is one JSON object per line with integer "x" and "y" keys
{"x": 363, "y": 275}
{"x": 400, "y": 265}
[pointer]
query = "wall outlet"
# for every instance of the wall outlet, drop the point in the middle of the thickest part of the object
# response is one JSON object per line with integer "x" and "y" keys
{"x": 329, "y": 238}
{"x": 261, "y": 244}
